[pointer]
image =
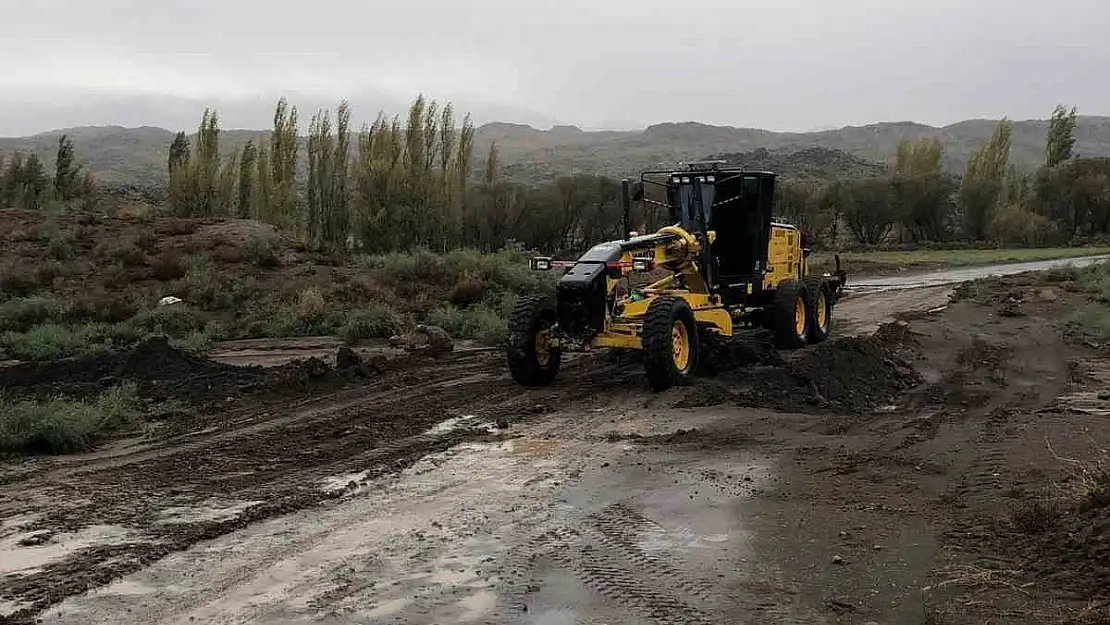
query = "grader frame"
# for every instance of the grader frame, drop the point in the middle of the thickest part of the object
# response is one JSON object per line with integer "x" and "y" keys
{"x": 725, "y": 264}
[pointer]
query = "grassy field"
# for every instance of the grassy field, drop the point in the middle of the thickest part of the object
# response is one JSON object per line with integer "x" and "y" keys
{"x": 879, "y": 262}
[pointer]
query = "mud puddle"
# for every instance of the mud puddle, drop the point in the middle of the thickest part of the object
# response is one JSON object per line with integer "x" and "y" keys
{"x": 464, "y": 534}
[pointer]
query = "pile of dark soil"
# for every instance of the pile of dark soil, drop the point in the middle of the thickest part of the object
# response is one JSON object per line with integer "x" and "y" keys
{"x": 724, "y": 356}
{"x": 713, "y": 438}
{"x": 849, "y": 375}
{"x": 854, "y": 374}
{"x": 159, "y": 370}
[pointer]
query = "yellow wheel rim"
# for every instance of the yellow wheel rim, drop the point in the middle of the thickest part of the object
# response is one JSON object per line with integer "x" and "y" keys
{"x": 799, "y": 316}
{"x": 822, "y": 311}
{"x": 543, "y": 347}
{"x": 680, "y": 345}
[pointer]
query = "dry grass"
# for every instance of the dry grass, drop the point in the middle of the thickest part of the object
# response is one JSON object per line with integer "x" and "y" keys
{"x": 1090, "y": 486}
{"x": 980, "y": 579}
{"x": 1093, "y": 613}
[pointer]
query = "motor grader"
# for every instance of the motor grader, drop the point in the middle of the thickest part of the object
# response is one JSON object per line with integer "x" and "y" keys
{"x": 723, "y": 266}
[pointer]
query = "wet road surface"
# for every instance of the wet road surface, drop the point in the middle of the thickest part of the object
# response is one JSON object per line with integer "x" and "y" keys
{"x": 962, "y": 274}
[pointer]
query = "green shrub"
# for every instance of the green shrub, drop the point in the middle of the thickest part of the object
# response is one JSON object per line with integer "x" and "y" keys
{"x": 400, "y": 268}
{"x": 375, "y": 321}
{"x": 196, "y": 342}
{"x": 310, "y": 304}
{"x": 201, "y": 283}
{"x": 480, "y": 323}
{"x": 287, "y": 323}
{"x": 469, "y": 290}
{"x": 22, "y": 280}
{"x": 1095, "y": 278}
{"x": 44, "y": 342}
{"x": 22, "y": 313}
{"x": 174, "y": 321}
{"x": 104, "y": 337}
{"x": 60, "y": 248}
{"x": 262, "y": 251}
{"x": 53, "y": 341}
{"x": 1094, "y": 319}
{"x": 60, "y": 425}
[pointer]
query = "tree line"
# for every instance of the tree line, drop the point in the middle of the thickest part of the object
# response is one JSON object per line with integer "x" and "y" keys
{"x": 392, "y": 185}
{"x": 1067, "y": 198}
{"x": 400, "y": 184}
{"x": 26, "y": 183}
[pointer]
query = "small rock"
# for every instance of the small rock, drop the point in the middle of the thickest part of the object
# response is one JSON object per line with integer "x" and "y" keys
{"x": 878, "y": 547}
{"x": 1047, "y": 295}
{"x": 346, "y": 358}
{"x": 502, "y": 423}
{"x": 1104, "y": 395}
{"x": 439, "y": 342}
{"x": 315, "y": 367}
{"x": 837, "y": 560}
{"x": 34, "y": 539}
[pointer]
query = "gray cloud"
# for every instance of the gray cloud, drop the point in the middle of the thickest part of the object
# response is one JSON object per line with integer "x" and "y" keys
{"x": 785, "y": 65}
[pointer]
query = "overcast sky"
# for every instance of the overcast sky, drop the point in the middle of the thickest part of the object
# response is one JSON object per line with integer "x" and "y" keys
{"x": 782, "y": 65}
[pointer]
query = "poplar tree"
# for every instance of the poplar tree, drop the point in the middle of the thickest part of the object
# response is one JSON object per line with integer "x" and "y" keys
{"x": 982, "y": 183}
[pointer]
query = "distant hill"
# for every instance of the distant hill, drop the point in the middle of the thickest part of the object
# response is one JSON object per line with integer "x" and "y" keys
{"x": 138, "y": 155}
{"x": 808, "y": 164}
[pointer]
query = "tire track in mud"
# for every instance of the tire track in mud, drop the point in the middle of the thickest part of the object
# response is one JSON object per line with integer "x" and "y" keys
{"x": 602, "y": 553}
{"x": 617, "y": 527}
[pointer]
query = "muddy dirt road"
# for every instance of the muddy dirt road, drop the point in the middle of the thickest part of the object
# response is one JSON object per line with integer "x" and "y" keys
{"x": 894, "y": 479}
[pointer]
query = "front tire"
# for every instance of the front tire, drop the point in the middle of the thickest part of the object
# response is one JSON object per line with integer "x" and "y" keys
{"x": 670, "y": 343}
{"x": 533, "y": 360}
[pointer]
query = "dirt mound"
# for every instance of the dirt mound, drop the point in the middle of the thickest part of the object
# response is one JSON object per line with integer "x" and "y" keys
{"x": 702, "y": 439}
{"x": 159, "y": 369}
{"x": 849, "y": 375}
{"x": 853, "y": 373}
{"x": 723, "y": 356}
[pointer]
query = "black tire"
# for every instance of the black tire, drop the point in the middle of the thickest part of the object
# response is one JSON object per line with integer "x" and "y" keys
{"x": 666, "y": 319}
{"x": 820, "y": 324}
{"x": 788, "y": 296}
{"x": 528, "y": 366}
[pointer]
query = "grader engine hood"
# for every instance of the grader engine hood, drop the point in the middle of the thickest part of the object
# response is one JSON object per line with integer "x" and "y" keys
{"x": 582, "y": 290}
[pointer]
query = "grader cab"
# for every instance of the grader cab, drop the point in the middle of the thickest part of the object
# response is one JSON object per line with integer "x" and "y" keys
{"x": 724, "y": 264}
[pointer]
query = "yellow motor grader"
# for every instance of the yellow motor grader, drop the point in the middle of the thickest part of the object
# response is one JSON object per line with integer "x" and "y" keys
{"x": 725, "y": 263}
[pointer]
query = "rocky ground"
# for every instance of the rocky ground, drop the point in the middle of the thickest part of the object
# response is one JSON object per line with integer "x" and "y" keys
{"x": 945, "y": 467}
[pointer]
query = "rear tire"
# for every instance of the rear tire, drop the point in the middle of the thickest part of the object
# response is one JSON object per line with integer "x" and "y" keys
{"x": 793, "y": 310}
{"x": 820, "y": 325}
{"x": 670, "y": 343}
{"x": 531, "y": 362}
